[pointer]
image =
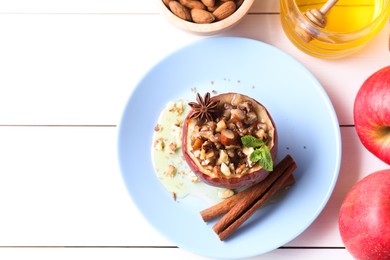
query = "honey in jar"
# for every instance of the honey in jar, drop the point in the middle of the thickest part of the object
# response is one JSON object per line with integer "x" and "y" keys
{"x": 349, "y": 25}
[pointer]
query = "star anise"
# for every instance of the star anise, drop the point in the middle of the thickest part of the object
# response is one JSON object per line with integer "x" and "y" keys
{"x": 204, "y": 107}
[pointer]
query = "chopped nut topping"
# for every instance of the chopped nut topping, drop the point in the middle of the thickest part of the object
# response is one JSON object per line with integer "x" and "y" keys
{"x": 171, "y": 171}
{"x": 177, "y": 107}
{"x": 197, "y": 143}
{"x": 179, "y": 122}
{"x": 226, "y": 193}
{"x": 223, "y": 157}
{"x": 218, "y": 142}
{"x": 241, "y": 169}
{"x": 157, "y": 128}
{"x": 221, "y": 125}
{"x": 193, "y": 177}
{"x": 225, "y": 169}
{"x": 172, "y": 148}
{"x": 159, "y": 144}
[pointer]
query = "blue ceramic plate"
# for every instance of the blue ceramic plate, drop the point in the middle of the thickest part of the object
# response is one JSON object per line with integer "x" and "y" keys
{"x": 307, "y": 127}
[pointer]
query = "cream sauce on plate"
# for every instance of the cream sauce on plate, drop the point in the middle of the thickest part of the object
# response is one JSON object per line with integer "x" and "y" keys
{"x": 169, "y": 165}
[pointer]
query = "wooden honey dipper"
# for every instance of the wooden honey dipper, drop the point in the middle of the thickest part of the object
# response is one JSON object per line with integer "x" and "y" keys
{"x": 317, "y": 17}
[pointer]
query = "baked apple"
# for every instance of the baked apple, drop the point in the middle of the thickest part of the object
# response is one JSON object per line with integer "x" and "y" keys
{"x": 229, "y": 140}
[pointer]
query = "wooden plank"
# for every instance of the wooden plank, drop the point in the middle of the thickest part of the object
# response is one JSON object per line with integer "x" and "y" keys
{"x": 74, "y": 69}
{"x": 357, "y": 163}
{"x": 75, "y": 6}
{"x": 61, "y": 186}
{"x": 105, "y": 6}
{"x": 159, "y": 253}
{"x": 81, "y": 69}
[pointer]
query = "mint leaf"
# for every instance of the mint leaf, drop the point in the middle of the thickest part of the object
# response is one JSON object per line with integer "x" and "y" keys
{"x": 256, "y": 155}
{"x": 266, "y": 160}
{"x": 251, "y": 141}
{"x": 261, "y": 154}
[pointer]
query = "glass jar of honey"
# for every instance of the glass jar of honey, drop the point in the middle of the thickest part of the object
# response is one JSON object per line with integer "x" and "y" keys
{"x": 349, "y": 25}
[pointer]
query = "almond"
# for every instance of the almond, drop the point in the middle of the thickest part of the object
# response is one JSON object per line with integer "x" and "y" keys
{"x": 227, "y": 137}
{"x": 208, "y": 3}
{"x": 217, "y": 170}
{"x": 179, "y": 10}
{"x": 237, "y": 115}
{"x": 220, "y": 126}
{"x": 202, "y": 16}
{"x": 224, "y": 194}
{"x": 225, "y": 170}
{"x": 192, "y": 4}
{"x": 224, "y": 10}
{"x": 211, "y": 9}
{"x": 197, "y": 144}
{"x": 166, "y": 2}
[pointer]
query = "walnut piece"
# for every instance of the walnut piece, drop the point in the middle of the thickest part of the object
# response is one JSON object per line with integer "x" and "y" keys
{"x": 159, "y": 144}
{"x": 171, "y": 171}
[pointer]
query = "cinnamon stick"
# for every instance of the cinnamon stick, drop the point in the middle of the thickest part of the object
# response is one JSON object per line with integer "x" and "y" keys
{"x": 240, "y": 212}
{"x": 225, "y": 205}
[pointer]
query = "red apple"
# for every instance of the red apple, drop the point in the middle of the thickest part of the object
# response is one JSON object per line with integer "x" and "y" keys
{"x": 364, "y": 217}
{"x": 372, "y": 114}
{"x": 213, "y": 149}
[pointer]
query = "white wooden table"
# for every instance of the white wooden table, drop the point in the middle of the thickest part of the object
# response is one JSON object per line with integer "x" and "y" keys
{"x": 67, "y": 68}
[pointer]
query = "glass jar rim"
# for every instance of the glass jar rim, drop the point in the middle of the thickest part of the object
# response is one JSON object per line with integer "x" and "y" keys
{"x": 384, "y": 15}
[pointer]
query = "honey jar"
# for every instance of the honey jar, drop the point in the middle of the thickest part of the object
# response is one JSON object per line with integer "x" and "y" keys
{"x": 348, "y": 25}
